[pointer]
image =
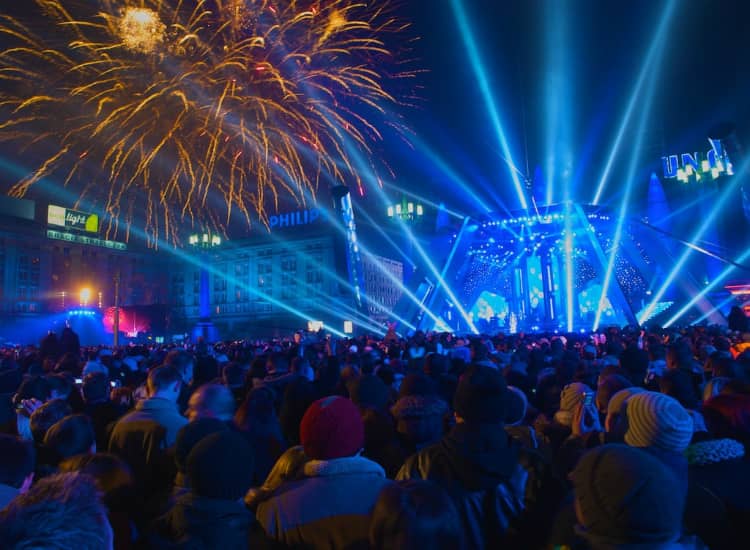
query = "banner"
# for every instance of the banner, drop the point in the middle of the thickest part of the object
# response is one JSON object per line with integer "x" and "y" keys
{"x": 72, "y": 219}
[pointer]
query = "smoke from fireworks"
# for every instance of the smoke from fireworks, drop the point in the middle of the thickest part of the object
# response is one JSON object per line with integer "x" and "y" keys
{"x": 171, "y": 110}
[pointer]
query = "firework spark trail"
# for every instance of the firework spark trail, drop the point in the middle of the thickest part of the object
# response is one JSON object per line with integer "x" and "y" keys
{"x": 154, "y": 107}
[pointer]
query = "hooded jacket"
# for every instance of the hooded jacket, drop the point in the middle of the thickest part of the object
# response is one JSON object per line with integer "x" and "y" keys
{"x": 504, "y": 494}
{"x": 327, "y": 508}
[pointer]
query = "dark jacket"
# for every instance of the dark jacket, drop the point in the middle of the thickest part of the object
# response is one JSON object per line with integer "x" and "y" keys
{"x": 161, "y": 411}
{"x": 142, "y": 444}
{"x": 504, "y": 494}
{"x": 103, "y": 416}
{"x": 328, "y": 508}
{"x": 719, "y": 479}
{"x": 204, "y": 523}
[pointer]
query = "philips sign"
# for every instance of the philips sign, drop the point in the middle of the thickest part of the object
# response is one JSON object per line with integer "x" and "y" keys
{"x": 687, "y": 165}
{"x": 291, "y": 219}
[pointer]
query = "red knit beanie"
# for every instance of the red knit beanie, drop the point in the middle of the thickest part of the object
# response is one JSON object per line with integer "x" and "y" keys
{"x": 332, "y": 428}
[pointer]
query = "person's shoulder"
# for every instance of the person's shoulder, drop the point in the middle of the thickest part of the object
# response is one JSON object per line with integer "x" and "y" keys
{"x": 419, "y": 464}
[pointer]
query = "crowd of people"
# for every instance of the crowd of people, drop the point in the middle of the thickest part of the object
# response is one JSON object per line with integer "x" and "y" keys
{"x": 624, "y": 438}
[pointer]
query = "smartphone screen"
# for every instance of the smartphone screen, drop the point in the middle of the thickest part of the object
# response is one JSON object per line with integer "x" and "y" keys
{"x": 588, "y": 399}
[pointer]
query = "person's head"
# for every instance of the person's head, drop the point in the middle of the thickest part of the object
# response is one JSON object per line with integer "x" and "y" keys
{"x": 436, "y": 365}
{"x": 277, "y": 363}
{"x": 332, "y": 428}
{"x": 480, "y": 397}
{"x": 164, "y": 382}
{"x": 257, "y": 408}
{"x": 657, "y": 421}
{"x": 59, "y": 512}
{"x": 479, "y": 350}
{"x": 17, "y": 462}
{"x": 417, "y": 383}
{"x": 233, "y": 376}
{"x": 71, "y": 436}
{"x": 614, "y": 422}
{"x": 679, "y": 355}
{"x": 220, "y": 466}
{"x": 728, "y": 415}
{"x": 607, "y": 387}
{"x": 183, "y": 363}
{"x": 95, "y": 388}
{"x": 188, "y": 437}
{"x": 415, "y": 514}
{"x": 46, "y": 416}
{"x": 678, "y": 384}
{"x": 368, "y": 392}
{"x": 420, "y": 418}
{"x": 211, "y": 401}
{"x": 625, "y": 496}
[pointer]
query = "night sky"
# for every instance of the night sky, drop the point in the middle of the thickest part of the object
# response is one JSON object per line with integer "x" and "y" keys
{"x": 704, "y": 79}
{"x": 587, "y": 54}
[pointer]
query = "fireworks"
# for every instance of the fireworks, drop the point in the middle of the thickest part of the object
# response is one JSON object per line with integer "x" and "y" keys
{"x": 141, "y": 30}
{"x": 161, "y": 112}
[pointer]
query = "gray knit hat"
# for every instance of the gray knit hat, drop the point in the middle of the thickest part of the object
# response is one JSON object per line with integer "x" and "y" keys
{"x": 659, "y": 421}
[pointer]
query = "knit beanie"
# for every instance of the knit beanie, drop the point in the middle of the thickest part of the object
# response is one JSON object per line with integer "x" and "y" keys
{"x": 189, "y": 436}
{"x": 617, "y": 401}
{"x": 221, "y": 466}
{"x": 657, "y": 420}
{"x": 572, "y": 396}
{"x": 332, "y": 428}
{"x": 368, "y": 392}
{"x": 481, "y": 395}
{"x": 626, "y": 496}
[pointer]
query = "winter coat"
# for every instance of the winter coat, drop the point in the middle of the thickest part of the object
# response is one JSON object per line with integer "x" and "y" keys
{"x": 161, "y": 411}
{"x": 504, "y": 494}
{"x": 329, "y": 507}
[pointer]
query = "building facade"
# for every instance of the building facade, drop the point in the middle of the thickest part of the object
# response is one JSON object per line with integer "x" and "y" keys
{"x": 48, "y": 269}
{"x": 258, "y": 288}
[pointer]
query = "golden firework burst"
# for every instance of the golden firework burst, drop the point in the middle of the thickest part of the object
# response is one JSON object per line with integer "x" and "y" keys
{"x": 161, "y": 112}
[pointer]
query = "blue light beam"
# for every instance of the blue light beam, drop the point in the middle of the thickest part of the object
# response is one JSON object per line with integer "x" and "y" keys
{"x": 653, "y": 52}
{"x": 480, "y": 74}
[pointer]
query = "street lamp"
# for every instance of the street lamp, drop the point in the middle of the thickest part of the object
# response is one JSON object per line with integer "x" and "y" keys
{"x": 204, "y": 242}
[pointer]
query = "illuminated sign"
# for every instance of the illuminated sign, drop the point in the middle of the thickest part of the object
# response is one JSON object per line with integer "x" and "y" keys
{"x": 83, "y": 239}
{"x": 696, "y": 165}
{"x": 290, "y": 219}
{"x": 72, "y": 219}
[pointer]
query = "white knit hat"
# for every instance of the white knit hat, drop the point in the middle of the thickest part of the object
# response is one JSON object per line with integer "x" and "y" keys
{"x": 659, "y": 421}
